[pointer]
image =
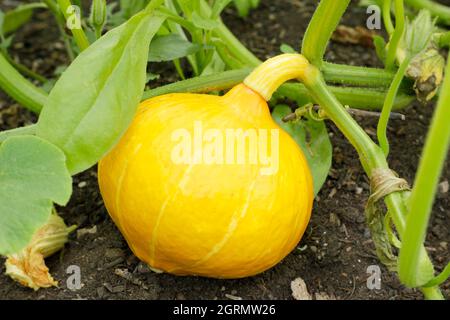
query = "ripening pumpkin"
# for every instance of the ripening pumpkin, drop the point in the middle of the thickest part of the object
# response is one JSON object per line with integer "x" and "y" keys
{"x": 207, "y": 185}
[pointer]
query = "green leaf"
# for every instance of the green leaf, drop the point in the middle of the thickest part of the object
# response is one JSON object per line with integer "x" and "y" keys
{"x": 204, "y": 23}
{"x": 219, "y": 6}
{"x": 95, "y": 99}
{"x": 171, "y": 47}
{"x": 380, "y": 47}
{"x": 128, "y": 8}
{"x": 21, "y": 131}
{"x": 418, "y": 33}
{"x": 285, "y": 48}
{"x": 4, "y": 45}
{"x": 312, "y": 137}
{"x": 33, "y": 175}
{"x": 188, "y": 6}
{"x": 244, "y": 6}
{"x": 17, "y": 17}
{"x": 216, "y": 65}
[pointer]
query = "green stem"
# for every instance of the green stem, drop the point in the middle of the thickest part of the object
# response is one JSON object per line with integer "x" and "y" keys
{"x": 432, "y": 293}
{"x": 19, "y": 88}
{"x": 202, "y": 84}
{"x": 360, "y": 98}
{"x": 441, "y": 278}
{"x": 233, "y": 44}
{"x": 60, "y": 21}
{"x": 387, "y": 107}
{"x": 356, "y": 76}
{"x": 324, "y": 21}
{"x": 424, "y": 192}
{"x": 371, "y": 156}
{"x": 365, "y": 147}
{"x": 387, "y": 4}
{"x": 28, "y": 130}
{"x": 439, "y": 10}
{"x": 53, "y": 7}
{"x": 333, "y": 73}
{"x": 78, "y": 33}
{"x": 23, "y": 69}
{"x": 177, "y": 28}
{"x": 397, "y": 35}
{"x": 443, "y": 40}
{"x": 357, "y": 98}
{"x": 178, "y": 20}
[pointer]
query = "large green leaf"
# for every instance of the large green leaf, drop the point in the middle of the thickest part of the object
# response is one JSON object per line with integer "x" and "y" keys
{"x": 33, "y": 175}
{"x": 95, "y": 99}
{"x": 312, "y": 137}
{"x": 171, "y": 47}
{"x": 17, "y": 17}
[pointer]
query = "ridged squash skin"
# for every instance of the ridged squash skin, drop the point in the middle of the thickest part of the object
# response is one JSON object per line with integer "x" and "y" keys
{"x": 212, "y": 220}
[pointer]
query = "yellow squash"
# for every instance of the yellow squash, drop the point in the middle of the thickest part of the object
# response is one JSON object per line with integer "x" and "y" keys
{"x": 207, "y": 185}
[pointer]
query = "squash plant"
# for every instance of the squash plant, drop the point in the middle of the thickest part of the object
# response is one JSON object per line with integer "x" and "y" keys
{"x": 92, "y": 104}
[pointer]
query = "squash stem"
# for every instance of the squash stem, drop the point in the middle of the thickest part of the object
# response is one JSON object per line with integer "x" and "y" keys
{"x": 270, "y": 75}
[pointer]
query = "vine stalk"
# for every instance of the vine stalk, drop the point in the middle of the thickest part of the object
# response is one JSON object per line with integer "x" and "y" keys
{"x": 78, "y": 33}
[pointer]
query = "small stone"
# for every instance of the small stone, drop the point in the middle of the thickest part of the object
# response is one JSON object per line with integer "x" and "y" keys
{"x": 232, "y": 297}
{"x": 332, "y": 193}
{"x": 299, "y": 290}
{"x": 359, "y": 190}
{"x": 444, "y": 187}
{"x": 142, "y": 268}
{"x": 344, "y": 230}
{"x": 222, "y": 289}
{"x": 233, "y": 292}
{"x": 313, "y": 249}
{"x": 82, "y": 184}
{"x": 85, "y": 231}
{"x": 444, "y": 245}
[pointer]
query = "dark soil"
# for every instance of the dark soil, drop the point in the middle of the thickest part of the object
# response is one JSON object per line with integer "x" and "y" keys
{"x": 336, "y": 250}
